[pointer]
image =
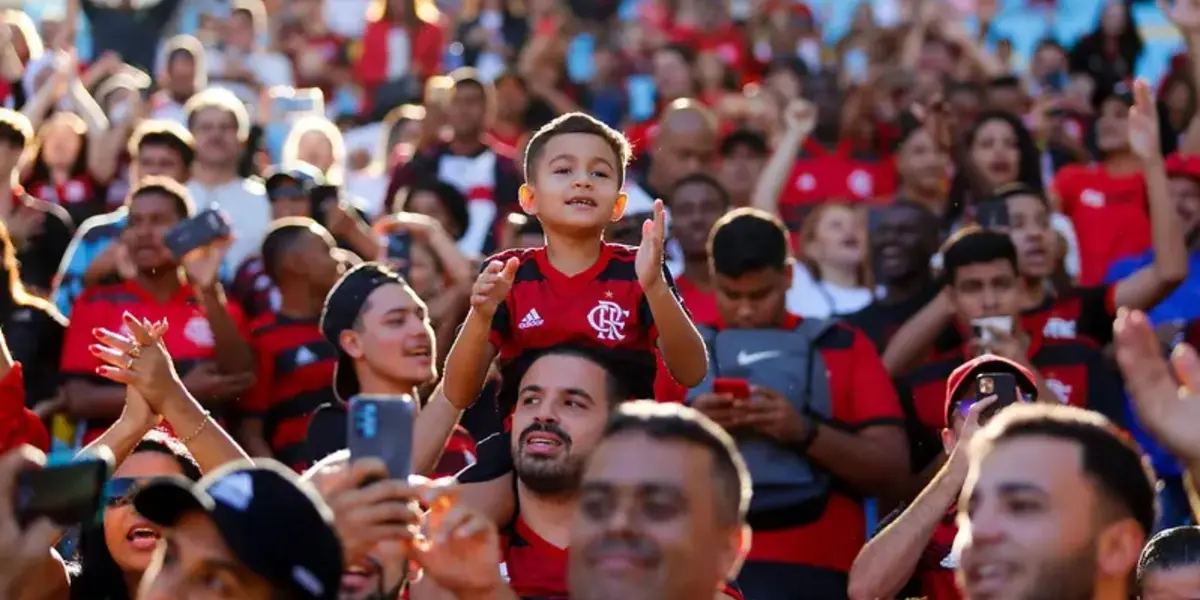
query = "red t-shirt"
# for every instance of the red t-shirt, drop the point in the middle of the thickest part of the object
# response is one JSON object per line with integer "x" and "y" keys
{"x": 727, "y": 43}
{"x": 602, "y": 308}
{"x": 1109, "y": 213}
{"x": 18, "y": 424}
{"x": 189, "y": 338}
{"x": 701, "y": 305}
{"x": 843, "y": 174}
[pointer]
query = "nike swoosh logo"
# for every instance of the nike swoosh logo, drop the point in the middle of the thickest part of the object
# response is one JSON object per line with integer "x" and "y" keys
{"x": 748, "y": 358}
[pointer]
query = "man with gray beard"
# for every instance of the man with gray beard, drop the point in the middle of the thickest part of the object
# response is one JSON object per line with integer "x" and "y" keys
{"x": 1056, "y": 506}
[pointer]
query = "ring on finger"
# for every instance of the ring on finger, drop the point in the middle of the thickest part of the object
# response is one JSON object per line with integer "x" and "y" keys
{"x": 135, "y": 351}
{"x": 130, "y": 363}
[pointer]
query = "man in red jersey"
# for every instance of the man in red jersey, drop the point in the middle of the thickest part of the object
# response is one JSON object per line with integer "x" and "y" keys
{"x": 811, "y": 408}
{"x": 578, "y": 288}
{"x": 887, "y": 563}
{"x": 295, "y": 362}
{"x": 207, "y": 337}
{"x": 564, "y": 401}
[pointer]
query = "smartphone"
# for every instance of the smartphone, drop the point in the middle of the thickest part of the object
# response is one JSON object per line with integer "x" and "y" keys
{"x": 288, "y": 102}
{"x": 738, "y": 388}
{"x": 983, "y": 327}
{"x": 399, "y": 251}
{"x": 197, "y": 232}
{"x": 382, "y": 427}
{"x": 855, "y": 65}
{"x": 68, "y": 494}
{"x": 992, "y": 214}
{"x": 1056, "y": 82}
{"x": 318, "y": 196}
{"x": 1001, "y": 385}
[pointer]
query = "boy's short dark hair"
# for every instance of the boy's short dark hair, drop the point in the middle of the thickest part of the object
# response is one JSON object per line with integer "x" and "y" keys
{"x": 1172, "y": 548}
{"x": 281, "y": 238}
{"x": 169, "y": 134}
{"x": 1109, "y": 459}
{"x": 577, "y": 122}
{"x": 974, "y": 245}
{"x": 747, "y": 240}
{"x": 15, "y": 129}
{"x": 165, "y": 186}
{"x": 745, "y": 138}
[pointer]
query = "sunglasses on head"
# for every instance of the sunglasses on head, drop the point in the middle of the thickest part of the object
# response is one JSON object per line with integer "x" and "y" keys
{"x": 964, "y": 406}
{"x": 119, "y": 491}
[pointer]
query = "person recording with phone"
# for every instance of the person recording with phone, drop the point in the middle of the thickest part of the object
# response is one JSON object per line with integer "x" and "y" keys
{"x": 887, "y": 566}
{"x": 206, "y": 336}
{"x": 982, "y": 285}
{"x": 811, "y": 408}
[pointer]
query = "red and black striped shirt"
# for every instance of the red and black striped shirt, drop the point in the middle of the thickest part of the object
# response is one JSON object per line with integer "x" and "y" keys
{"x": 294, "y": 377}
{"x": 602, "y": 307}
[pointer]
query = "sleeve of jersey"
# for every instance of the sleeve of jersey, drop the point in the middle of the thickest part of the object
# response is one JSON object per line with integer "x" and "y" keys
{"x": 869, "y": 397}
{"x": 646, "y": 317}
{"x": 76, "y": 359}
{"x": 258, "y": 399}
{"x": 1097, "y": 308}
{"x": 493, "y": 458}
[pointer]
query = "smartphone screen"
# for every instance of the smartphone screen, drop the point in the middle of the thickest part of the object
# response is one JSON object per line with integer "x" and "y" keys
{"x": 399, "y": 252}
{"x": 67, "y": 494}
{"x": 855, "y": 65}
{"x": 382, "y": 427}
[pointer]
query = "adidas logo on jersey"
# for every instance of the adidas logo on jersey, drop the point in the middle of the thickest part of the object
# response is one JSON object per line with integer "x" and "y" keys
{"x": 532, "y": 319}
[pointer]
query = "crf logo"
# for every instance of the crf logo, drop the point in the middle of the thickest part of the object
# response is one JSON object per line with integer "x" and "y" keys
{"x": 1061, "y": 329}
{"x": 1061, "y": 390}
{"x": 1092, "y": 198}
{"x": 608, "y": 319}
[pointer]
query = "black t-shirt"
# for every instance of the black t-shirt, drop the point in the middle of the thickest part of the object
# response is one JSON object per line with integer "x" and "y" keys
{"x": 40, "y": 255}
{"x": 34, "y": 334}
{"x": 880, "y": 320}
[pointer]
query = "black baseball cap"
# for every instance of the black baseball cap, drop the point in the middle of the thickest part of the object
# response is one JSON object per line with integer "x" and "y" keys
{"x": 297, "y": 178}
{"x": 276, "y": 525}
{"x": 342, "y": 307}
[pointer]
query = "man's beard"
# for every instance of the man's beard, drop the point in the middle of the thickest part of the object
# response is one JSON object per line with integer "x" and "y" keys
{"x": 1067, "y": 578}
{"x": 548, "y": 476}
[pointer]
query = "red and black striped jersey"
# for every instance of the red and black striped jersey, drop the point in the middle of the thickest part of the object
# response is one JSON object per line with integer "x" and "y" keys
{"x": 294, "y": 377}
{"x": 603, "y": 308}
{"x": 1084, "y": 312}
{"x": 537, "y": 569}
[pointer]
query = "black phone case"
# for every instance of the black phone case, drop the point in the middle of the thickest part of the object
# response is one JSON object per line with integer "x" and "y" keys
{"x": 1001, "y": 385}
{"x": 992, "y": 214}
{"x": 67, "y": 494}
{"x": 382, "y": 427}
{"x": 196, "y": 232}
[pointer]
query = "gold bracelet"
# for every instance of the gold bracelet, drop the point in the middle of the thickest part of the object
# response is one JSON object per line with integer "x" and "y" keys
{"x": 207, "y": 417}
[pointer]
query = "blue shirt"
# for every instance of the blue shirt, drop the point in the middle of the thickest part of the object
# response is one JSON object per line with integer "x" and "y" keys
{"x": 1182, "y": 305}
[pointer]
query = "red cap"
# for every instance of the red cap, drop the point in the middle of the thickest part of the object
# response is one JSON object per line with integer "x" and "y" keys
{"x": 985, "y": 363}
{"x": 1179, "y": 165}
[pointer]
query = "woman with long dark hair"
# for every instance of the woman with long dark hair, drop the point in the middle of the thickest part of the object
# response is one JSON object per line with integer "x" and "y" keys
{"x": 1111, "y": 51}
{"x": 34, "y": 329}
{"x": 997, "y": 150}
{"x": 113, "y": 554}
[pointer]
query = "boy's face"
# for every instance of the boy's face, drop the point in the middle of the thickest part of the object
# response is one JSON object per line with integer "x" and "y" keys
{"x": 576, "y": 185}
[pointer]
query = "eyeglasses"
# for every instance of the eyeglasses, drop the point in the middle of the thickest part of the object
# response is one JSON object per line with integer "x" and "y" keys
{"x": 119, "y": 491}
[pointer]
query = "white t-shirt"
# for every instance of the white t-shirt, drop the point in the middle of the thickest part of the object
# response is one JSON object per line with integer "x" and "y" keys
{"x": 245, "y": 201}
{"x": 810, "y": 298}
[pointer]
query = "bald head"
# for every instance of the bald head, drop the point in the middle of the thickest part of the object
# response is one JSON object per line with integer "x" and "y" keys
{"x": 684, "y": 144}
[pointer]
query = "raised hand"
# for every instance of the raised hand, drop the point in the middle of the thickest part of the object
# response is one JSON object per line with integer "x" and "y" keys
{"x": 461, "y": 549}
{"x": 649, "y": 262}
{"x": 203, "y": 265}
{"x": 801, "y": 116}
{"x": 138, "y": 360}
{"x": 1168, "y": 410}
{"x": 1143, "y": 123}
{"x": 369, "y": 508}
{"x": 1184, "y": 14}
{"x": 492, "y": 286}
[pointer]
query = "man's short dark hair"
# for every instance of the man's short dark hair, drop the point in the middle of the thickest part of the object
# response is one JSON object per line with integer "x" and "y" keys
{"x": 577, "y": 122}
{"x": 675, "y": 422}
{"x": 615, "y": 389}
{"x": 1109, "y": 459}
{"x": 974, "y": 246}
{"x": 747, "y": 240}
{"x": 15, "y": 129}
{"x": 1172, "y": 548}
{"x": 166, "y": 134}
{"x": 453, "y": 200}
{"x": 701, "y": 179}
{"x": 470, "y": 77}
{"x": 165, "y": 186}
{"x": 281, "y": 239}
{"x": 745, "y": 138}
